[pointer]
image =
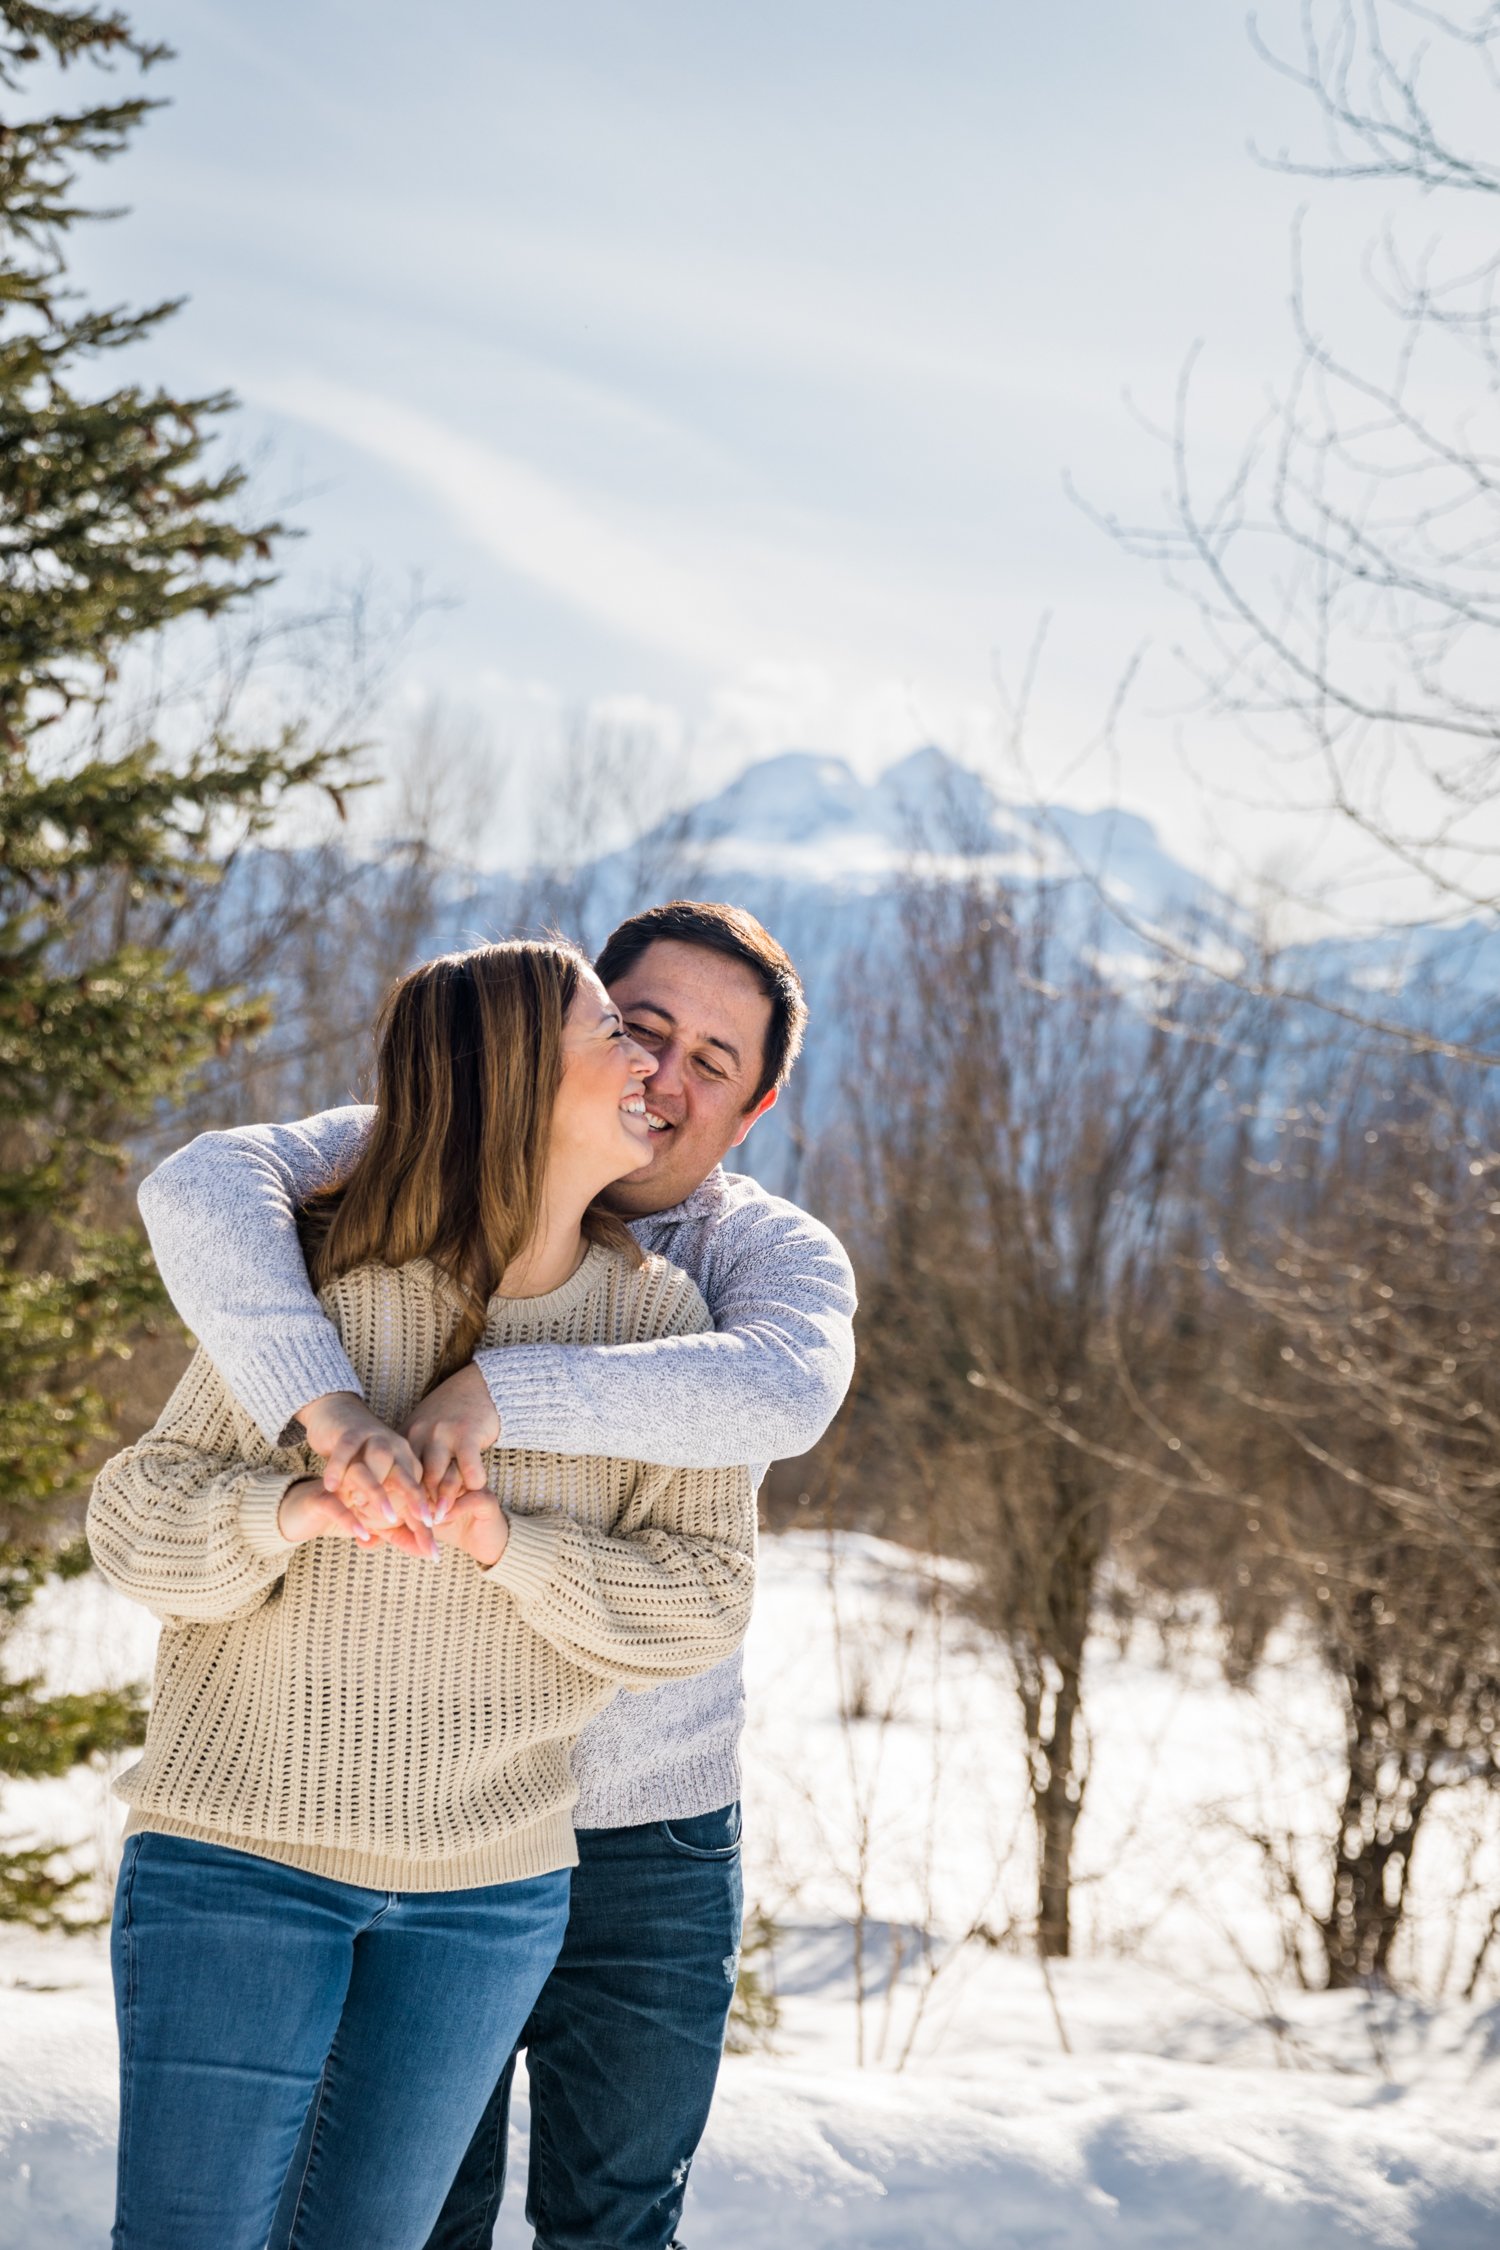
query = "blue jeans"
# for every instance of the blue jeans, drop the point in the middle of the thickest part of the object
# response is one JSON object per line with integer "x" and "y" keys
{"x": 244, "y": 1989}
{"x": 622, "y": 2048}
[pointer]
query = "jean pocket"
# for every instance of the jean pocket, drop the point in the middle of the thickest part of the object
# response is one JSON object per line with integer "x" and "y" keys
{"x": 710, "y": 1835}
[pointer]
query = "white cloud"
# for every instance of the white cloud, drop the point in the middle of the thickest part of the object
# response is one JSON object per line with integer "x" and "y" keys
{"x": 534, "y": 526}
{"x": 869, "y": 719}
{"x": 738, "y": 586}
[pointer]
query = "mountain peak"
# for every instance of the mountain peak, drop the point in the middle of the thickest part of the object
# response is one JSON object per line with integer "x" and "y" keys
{"x": 945, "y": 805}
{"x": 796, "y": 793}
{"x": 806, "y": 818}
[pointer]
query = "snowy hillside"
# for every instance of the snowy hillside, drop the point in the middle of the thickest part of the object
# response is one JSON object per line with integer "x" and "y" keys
{"x": 1167, "y": 2087}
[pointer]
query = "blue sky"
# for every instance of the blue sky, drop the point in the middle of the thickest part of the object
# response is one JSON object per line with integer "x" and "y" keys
{"x": 725, "y": 362}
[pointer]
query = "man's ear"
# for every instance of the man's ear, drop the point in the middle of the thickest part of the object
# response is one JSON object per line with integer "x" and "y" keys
{"x": 767, "y": 1101}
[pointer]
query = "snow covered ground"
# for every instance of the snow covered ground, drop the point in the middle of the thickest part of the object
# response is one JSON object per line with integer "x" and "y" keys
{"x": 926, "y": 2084}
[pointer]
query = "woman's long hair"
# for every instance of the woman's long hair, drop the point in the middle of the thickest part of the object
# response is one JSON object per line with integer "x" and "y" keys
{"x": 453, "y": 1168}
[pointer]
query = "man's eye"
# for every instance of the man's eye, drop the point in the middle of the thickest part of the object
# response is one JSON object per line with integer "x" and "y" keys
{"x": 643, "y": 1032}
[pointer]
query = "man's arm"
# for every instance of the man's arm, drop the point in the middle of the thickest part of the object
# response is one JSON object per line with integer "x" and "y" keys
{"x": 221, "y": 1215}
{"x": 764, "y": 1386}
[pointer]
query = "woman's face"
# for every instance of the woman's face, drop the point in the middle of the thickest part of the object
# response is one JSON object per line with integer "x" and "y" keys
{"x": 599, "y": 1127}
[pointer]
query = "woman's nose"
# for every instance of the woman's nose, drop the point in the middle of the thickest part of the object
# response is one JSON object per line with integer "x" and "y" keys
{"x": 642, "y": 1064}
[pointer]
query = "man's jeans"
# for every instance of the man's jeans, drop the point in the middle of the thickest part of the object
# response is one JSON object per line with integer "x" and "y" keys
{"x": 245, "y": 1989}
{"x": 623, "y": 2046}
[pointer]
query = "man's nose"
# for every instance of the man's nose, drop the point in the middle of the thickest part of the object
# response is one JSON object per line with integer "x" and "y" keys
{"x": 667, "y": 1064}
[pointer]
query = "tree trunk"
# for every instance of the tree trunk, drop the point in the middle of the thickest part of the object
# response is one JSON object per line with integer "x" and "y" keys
{"x": 1051, "y": 1675}
{"x": 1056, "y": 1804}
{"x": 1386, "y": 1792}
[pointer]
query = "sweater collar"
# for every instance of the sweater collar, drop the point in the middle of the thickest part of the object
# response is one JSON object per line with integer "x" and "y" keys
{"x": 706, "y": 1202}
{"x": 552, "y": 1304}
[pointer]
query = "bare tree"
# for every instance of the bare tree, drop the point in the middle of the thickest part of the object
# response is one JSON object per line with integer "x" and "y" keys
{"x": 327, "y": 923}
{"x": 611, "y": 835}
{"x": 1346, "y": 571}
{"x": 1362, "y": 1381}
{"x": 1014, "y": 1151}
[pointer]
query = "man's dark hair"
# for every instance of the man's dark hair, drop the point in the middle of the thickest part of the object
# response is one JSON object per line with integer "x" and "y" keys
{"x": 722, "y": 929}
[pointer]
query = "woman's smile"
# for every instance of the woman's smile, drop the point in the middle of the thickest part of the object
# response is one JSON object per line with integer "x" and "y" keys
{"x": 601, "y": 1115}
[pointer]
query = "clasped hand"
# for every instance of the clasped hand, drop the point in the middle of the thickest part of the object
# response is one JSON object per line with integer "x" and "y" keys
{"x": 416, "y": 1492}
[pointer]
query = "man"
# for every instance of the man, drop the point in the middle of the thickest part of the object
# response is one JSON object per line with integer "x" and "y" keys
{"x": 624, "y": 2044}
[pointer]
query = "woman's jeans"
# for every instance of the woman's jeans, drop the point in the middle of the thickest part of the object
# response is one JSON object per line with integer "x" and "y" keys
{"x": 244, "y": 1989}
{"x": 622, "y": 2047}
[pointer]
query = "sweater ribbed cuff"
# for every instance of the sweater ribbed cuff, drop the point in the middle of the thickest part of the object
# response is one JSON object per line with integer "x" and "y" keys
{"x": 533, "y": 1418}
{"x": 529, "y": 1563}
{"x": 260, "y": 1505}
{"x": 278, "y": 1379}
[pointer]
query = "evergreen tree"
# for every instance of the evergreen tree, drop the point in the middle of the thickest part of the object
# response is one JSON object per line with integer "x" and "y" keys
{"x": 115, "y": 522}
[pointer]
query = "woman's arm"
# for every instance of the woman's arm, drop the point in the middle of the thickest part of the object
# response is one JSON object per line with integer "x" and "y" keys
{"x": 185, "y": 1521}
{"x": 667, "y": 1594}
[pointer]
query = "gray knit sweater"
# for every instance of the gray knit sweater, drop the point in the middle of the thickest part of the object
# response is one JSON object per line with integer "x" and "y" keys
{"x": 764, "y": 1386}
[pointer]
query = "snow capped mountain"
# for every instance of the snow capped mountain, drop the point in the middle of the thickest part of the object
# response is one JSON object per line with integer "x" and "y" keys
{"x": 802, "y": 819}
{"x": 788, "y": 799}
{"x": 822, "y": 856}
{"x": 1122, "y": 853}
{"x": 818, "y": 853}
{"x": 811, "y": 819}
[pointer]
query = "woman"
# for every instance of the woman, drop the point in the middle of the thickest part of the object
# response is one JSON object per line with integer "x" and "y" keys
{"x": 344, "y": 1877}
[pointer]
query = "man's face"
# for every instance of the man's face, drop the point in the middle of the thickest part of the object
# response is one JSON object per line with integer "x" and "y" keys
{"x": 704, "y": 1016}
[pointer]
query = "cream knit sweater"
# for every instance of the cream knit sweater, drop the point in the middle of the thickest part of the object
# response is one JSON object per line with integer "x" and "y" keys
{"x": 383, "y": 1720}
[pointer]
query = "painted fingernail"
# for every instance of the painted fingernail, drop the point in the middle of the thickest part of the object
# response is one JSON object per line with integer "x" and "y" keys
{"x": 389, "y": 1511}
{"x": 425, "y": 1512}
{"x": 362, "y": 1535}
